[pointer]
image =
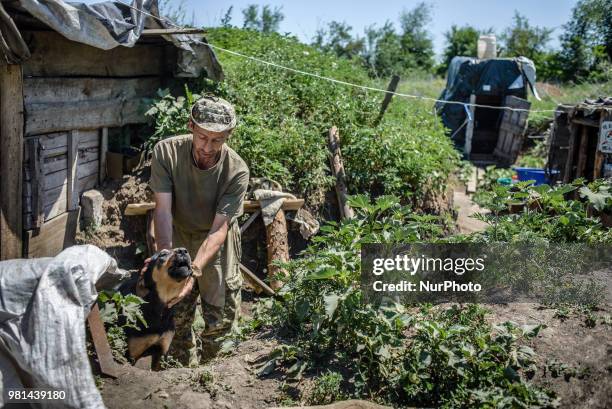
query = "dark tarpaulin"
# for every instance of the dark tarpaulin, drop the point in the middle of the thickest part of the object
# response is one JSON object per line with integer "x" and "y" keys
{"x": 466, "y": 76}
{"x": 111, "y": 24}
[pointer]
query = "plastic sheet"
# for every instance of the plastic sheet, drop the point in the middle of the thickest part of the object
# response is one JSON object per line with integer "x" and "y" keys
{"x": 43, "y": 307}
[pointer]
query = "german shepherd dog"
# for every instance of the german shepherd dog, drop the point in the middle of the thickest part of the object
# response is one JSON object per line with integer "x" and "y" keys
{"x": 163, "y": 280}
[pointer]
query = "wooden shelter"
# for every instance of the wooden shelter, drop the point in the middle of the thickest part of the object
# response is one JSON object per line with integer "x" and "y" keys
{"x": 485, "y": 107}
{"x": 58, "y": 103}
{"x": 581, "y": 142}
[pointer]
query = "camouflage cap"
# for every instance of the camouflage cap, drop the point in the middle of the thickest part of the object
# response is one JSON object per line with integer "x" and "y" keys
{"x": 214, "y": 114}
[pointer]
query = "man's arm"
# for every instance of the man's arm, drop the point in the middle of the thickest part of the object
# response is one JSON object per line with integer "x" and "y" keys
{"x": 214, "y": 241}
{"x": 162, "y": 219}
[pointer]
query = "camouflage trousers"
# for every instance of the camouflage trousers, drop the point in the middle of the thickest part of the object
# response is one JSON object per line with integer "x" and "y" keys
{"x": 199, "y": 324}
{"x": 217, "y": 294}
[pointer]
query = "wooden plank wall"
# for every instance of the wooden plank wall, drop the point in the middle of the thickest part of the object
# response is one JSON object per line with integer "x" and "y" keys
{"x": 72, "y": 94}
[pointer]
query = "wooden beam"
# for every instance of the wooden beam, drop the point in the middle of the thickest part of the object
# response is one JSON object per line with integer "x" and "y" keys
{"x": 83, "y": 60}
{"x": 288, "y": 204}
{"x": 337, "y": 167}
{"x": 250, "y": 206}
{"x": 569, "y": 163}
{"x": 469, "y": 132}
{"x": 72, "y": 195}
{"x": 62, "y": 116}
{"x": 250, "y": 221}
{"x": 11, "y": 161}
{"x": 587, "y": 122}
{"x": 253, "y": 279}
{"x": 100, "y": 341}
{"x": 103, "y": 150}
{"x": 391, "y": 88}
{"x": 169, "y": 31}
{"x": 582, "y": 152}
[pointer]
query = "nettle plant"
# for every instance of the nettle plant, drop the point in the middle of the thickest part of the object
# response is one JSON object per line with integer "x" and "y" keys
{"x": 394, "y": 354}
{"x": 118, "y": 312}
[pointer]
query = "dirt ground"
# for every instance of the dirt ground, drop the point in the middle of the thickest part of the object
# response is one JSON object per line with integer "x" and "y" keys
{"x": 231, "y": 381}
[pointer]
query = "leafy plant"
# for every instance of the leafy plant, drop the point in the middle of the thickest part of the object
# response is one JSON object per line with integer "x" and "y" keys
{"x": 170, "y": 115}
{"x": 326, "y": 389}
{"x": 394, "y": 354}
{"x": 118, "y": 312}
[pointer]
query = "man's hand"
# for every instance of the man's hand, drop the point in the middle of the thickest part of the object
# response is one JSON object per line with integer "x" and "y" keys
{"x": 184, "y": 292}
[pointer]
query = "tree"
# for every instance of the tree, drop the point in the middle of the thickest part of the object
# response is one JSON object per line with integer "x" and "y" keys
{"x": 271, "y": 19}
{"x": 267, "y": 22}
{"x": 337, "y": 38}
{"x": 251, "y": 19}
{"x": 523, "y": 39}
{"x": 415, "y": 40}
{"x": 226, "y": 20}
{"x": 586, "y": 44}
{"x": 388, "y": 52}
{"x": 460, "y": 41}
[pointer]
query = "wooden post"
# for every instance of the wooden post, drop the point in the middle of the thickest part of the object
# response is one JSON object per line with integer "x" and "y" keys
{"x": 103, "y": 150}
{"x": 571, "y": 151}
{"x": 72, "y": 198}
{"x": 388, "y": 96}
{"x": 278, "y": 247}
{"x": 11, "y": 161}
{"x": 338, "y": 170}
{"x": 469, "y": 132}
{"x": 582, "y": 153}
{"x": 606, "y": 115}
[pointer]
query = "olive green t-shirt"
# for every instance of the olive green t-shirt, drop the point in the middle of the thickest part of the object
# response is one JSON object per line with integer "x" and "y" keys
{"x": 197, "y": 195}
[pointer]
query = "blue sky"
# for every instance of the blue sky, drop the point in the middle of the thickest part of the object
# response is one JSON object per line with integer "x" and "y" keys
{"x": 303, "y": 18}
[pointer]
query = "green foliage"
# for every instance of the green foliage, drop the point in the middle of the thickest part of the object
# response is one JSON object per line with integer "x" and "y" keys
{"x": 586, "y": 44}
{"x": 337, "y": 39}
{"x": 460, "y": 41}
{"x": 326, "y": 389}
{"x": 266, "y": 22}
{"x": 545, "y": 213}
{"x": 170, "y": 115}
{"x": 523, "y": 39}
{"x": 399, "y": 356}
{"x": 118, "y": 312}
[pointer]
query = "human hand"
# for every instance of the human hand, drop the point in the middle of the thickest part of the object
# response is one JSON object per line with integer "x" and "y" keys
{"x": 186, "y": 290}
{"x": 144, "y": 268}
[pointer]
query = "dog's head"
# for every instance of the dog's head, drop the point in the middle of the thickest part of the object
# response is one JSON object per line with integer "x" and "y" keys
{"x": 167, "y": 272}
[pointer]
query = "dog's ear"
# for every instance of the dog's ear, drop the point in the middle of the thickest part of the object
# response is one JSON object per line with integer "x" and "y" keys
{"x": 148, "y": 274}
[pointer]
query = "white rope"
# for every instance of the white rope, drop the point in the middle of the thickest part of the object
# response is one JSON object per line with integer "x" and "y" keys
{"x": 337, "y": 81}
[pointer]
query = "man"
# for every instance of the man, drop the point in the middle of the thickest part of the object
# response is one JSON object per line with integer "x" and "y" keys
{"x": 199, "y": 185}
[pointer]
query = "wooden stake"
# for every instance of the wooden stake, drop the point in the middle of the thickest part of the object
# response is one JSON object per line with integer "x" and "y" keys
{"x": 277, "y": 240}
{"x": 388, "y": 96}
{"x": 338, "y": 170}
